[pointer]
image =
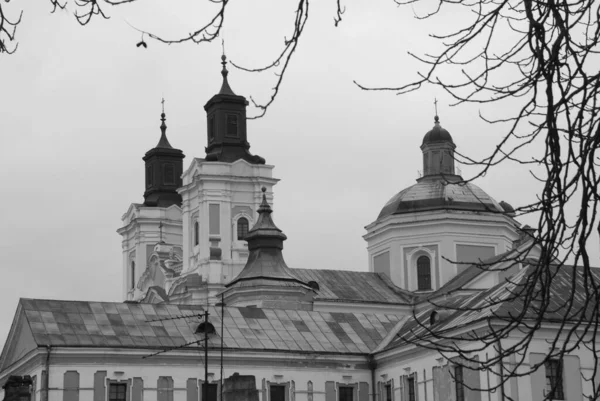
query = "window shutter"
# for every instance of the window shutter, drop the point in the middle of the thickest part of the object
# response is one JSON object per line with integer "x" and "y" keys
{"x": 137, "y": 388}
{"x": 472, "y": 380}
{"x": 538, "y": 378}
{"x": 363, "y": 391}
{"x": 71, "y": 386}
{"x": 99, "y": 386}
{"x": 442, "y": 383}
{"x": 165, "y": 388}
{"x": 572, "y": 378}
{"x": 330, "y": 391}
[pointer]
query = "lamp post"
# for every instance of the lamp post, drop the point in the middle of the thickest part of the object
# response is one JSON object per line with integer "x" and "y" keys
{"x": 207, "y": 328}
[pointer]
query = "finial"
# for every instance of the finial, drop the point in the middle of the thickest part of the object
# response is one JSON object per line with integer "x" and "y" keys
{"x": 436, "y": 119}
{"x": 225, "y": 89}
{"x": 264, "y": 206}
{"x": 224, "y": 71}
{"x": 163, "y": 142}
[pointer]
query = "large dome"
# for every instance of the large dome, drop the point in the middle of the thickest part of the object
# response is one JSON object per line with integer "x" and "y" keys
{"x": 434, "y": 193}
{"x": 437, "y": 134}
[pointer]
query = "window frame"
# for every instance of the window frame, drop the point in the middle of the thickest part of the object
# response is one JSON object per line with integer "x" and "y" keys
{"x": 346, "y": 388}
{"x": 410, "y": 388}
{"x": 279, "y": 386}
{"x": 459, "y": 383}
{"x": 554, "y": 373}
{"x": 210, "y": 385}
{"x": 388, "y": 392}
{"x": 247, "y": 228}
{"x": 168, "y": 174}
{"x": 420, "y": 274}
{"x": 123, "y": 383}
{"x": 235, "y": 123}
{"x": 211, "y": 128}
{"x": 132, "y": 275}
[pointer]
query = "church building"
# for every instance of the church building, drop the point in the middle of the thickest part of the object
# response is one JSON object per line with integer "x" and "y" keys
{"x": 204, "y": 240}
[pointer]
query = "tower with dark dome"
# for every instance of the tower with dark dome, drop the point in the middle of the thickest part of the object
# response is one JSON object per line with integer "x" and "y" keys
{"x": 430, "y": 231}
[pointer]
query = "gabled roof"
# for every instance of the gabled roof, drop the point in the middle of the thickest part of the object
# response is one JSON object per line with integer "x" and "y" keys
{"x": 506, "y": 300}
{"x": 354, "y": 286}
{"x": 131, "y": 325}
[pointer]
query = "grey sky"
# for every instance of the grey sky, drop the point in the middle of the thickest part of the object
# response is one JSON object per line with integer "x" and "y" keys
{"x": 79, "y": 107}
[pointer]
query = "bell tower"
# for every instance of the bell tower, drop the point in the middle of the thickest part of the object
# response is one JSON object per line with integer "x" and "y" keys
{"x": 226, "y": 125}
{"x": 155, "y": 222}
{"x": 221, "y": 194}
{"x": 164, "y": 166}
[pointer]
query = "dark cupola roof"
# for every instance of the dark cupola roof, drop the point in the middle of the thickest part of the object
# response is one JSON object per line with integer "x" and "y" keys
{"x": 440, "y": 187}
{"x": 265, "y": 243}
{"x": 164, "y": 167}
{"x": 437, "y": 134}
{"x": 226, "y": 125}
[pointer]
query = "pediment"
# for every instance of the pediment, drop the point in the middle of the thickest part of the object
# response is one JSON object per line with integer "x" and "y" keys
{"x": 20, "y": 341}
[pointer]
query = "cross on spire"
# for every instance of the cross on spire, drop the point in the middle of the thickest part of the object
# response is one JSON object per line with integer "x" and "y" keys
{"x": 435, "y": 102}
{"x": 163, "y": 105}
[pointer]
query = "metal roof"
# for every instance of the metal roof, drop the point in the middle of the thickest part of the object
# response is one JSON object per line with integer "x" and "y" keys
{"x": 566, "y": 303}
{"x": 129, "y": 325}
{"x": 354, "y": 286}
{"x": 437, "y": 192}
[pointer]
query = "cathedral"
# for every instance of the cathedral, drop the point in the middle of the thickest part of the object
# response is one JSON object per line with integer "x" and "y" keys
{"x": 203, "y": 251}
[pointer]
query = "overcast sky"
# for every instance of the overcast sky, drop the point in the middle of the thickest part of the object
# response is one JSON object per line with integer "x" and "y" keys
{"x": 79, "y": 107}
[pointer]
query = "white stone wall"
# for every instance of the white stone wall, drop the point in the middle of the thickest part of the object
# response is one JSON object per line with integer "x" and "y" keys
{"x": 234, "y": 187}
{"x": 438, "y": 234}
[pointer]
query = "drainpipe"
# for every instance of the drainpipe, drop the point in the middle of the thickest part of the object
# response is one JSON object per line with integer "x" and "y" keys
{"x": 47, "y": 379}
{"x": 373, "y": 366}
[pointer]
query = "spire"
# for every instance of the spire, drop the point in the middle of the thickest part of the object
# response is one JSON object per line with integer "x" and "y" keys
{"x": 163, "y": 142}
{"x": 164, "y": 166}
{"x": 226, "y": 125}
{"x": 225, "y": 88}
{"x": 436, "y": 119}
{"x": 265, "y": 242}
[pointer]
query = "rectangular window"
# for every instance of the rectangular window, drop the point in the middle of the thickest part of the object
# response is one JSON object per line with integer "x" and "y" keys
{"x": 346, "y": 393}
{"x": 148, "y": 176}
{"x": 211, "y": 128}
{"x": 459, "y": 383}
{"x": 411, "y": 388}
{"x": 277, "y": 393}
{"x": 388, "y": 392}
{"x": 554, "y": 379}
{"x": 232, "y": 125}
{"x": 214, "y": 223}
{"x": 212, "y": 392}
{"x": 117, "y": 392}
{"x": 168, "y": 174}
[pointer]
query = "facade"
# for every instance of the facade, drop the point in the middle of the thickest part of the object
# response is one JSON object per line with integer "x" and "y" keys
{"x": 204, "y": 240}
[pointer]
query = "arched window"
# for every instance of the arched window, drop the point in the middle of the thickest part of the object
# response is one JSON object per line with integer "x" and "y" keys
{"x": 196, "y": 233}
{"x": 242, "y": 228}
{"x": 423, "y": 273}
{"x": 132, "y": 284}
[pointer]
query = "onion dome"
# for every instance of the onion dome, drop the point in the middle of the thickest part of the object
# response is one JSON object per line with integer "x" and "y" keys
{"x": 437, "y": 134}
